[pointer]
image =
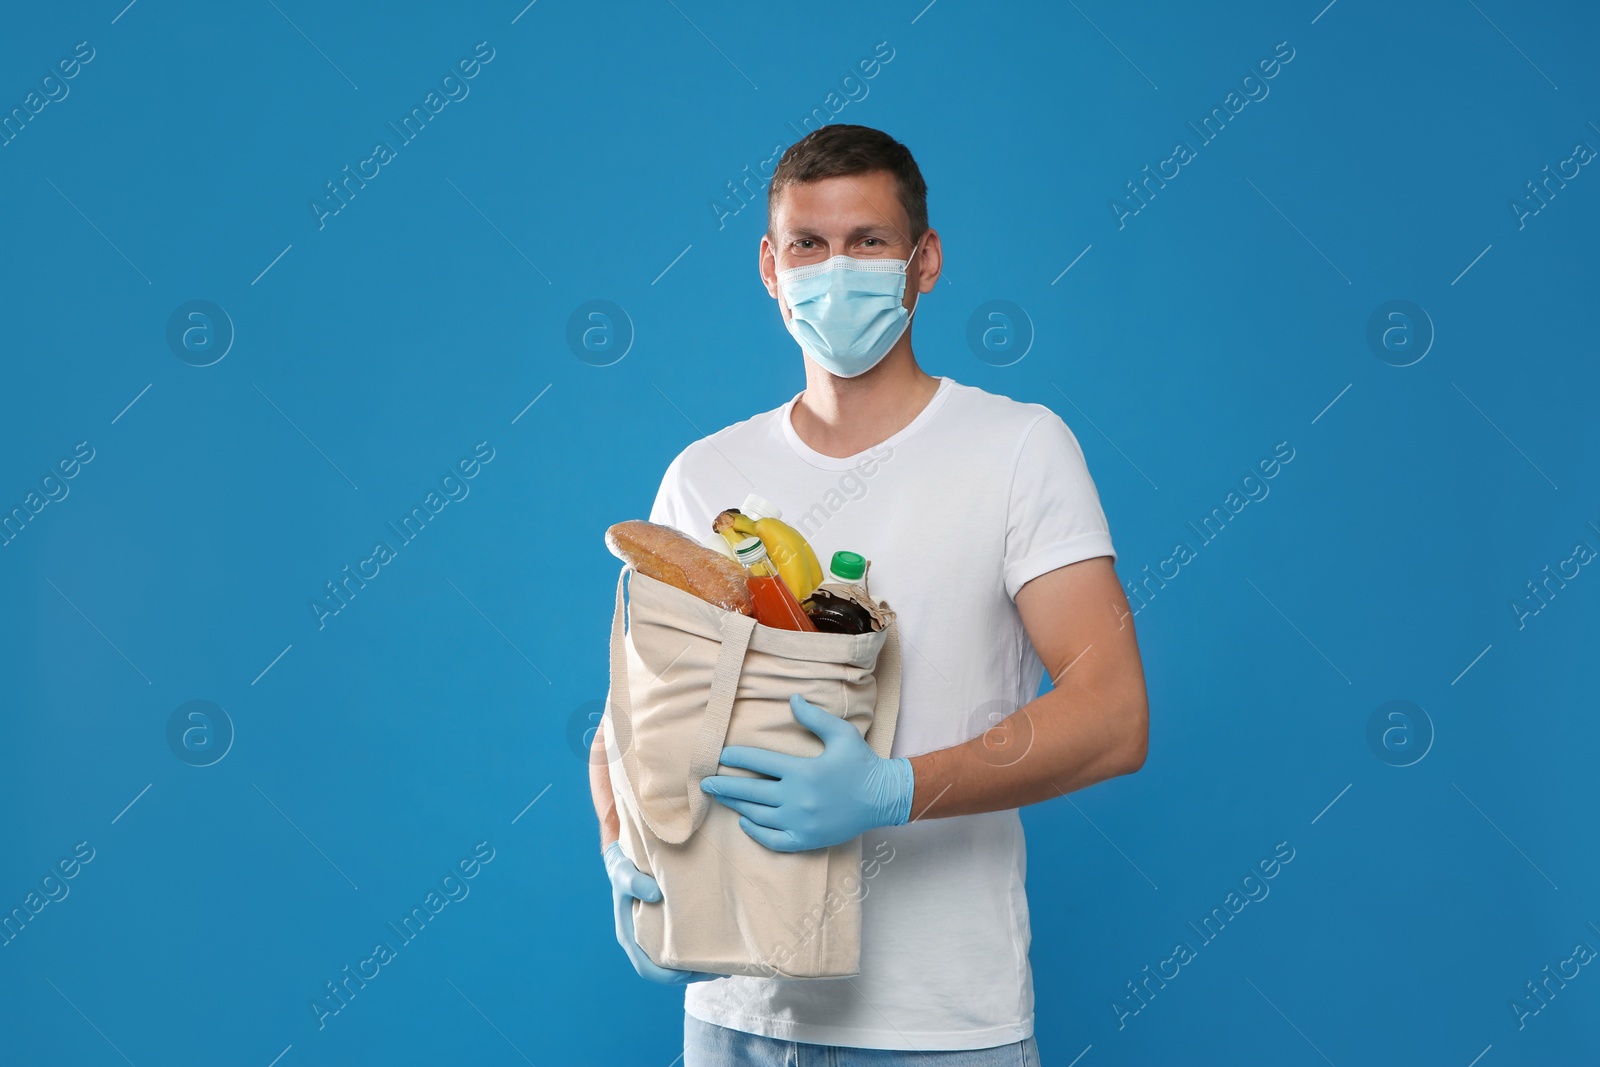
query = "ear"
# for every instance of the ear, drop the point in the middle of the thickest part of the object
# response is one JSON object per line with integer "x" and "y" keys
{"x": 929, "y": 263}
{"x": 767, "y": 266}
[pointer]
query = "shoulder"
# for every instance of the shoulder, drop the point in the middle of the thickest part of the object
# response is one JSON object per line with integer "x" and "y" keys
{"x": 704, "y": 472}
{"x": 1031, "y": 440}
{"x": 712, "y": 451}
{"x": 1001, "y": 418}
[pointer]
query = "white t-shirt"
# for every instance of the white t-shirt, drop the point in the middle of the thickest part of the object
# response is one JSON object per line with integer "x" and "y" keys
{"x": 977, "y": 495}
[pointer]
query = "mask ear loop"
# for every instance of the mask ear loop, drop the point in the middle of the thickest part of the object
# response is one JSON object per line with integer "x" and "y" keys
{"x": 918, "y": 298}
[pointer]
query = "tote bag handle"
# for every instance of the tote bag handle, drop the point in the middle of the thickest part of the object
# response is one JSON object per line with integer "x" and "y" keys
{"x": 886, "y": 709}
{"x": 707, "y": 752}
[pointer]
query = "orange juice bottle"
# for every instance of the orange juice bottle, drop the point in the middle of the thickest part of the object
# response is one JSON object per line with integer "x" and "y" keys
{"x": 775, "y": 605}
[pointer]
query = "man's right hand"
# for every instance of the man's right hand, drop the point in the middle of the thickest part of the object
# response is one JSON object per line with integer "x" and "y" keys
{"x": 628, "y": 883}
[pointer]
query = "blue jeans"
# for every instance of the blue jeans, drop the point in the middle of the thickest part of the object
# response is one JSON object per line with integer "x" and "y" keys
{"x": 708, "y": 1045}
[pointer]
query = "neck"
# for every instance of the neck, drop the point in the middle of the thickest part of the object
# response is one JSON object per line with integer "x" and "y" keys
{"x": 845, "y": 416}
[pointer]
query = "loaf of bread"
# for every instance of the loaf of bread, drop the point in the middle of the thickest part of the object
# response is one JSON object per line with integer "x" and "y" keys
{"x": 671, "y": 556}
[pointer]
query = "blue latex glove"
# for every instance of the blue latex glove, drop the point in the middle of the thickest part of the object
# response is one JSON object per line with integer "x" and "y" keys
{"x": 627, "y": 884}
{"x": 815, "y": 801}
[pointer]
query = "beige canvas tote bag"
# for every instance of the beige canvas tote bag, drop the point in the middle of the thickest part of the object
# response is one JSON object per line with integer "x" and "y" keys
{"x": 688, "y": 678}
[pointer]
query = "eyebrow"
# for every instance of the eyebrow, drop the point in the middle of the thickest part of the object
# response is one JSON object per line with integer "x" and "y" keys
{"x": 874, "y": 229}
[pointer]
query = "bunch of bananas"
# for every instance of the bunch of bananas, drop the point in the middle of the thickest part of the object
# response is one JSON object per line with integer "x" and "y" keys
{"x": 796, "y": 561}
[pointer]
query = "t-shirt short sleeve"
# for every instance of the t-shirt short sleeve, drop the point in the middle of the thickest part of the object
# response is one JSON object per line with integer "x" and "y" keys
{"x": 680, "y": 499}
{"x": 1054, "y": 516}
{"x": 668, "y": 508}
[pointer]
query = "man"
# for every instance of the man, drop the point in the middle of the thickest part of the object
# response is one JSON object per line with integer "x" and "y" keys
{"x": 986, "y": 536}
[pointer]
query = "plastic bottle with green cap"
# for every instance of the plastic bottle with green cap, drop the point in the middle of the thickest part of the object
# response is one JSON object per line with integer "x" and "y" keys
{"x": 847, "y": 568}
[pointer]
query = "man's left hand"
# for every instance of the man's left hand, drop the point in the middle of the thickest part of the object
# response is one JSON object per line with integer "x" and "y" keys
{"x": 815, "y": 801}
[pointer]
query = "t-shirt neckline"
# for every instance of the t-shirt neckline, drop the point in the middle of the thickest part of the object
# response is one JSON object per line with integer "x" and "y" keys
{"x": 839, "y": 463}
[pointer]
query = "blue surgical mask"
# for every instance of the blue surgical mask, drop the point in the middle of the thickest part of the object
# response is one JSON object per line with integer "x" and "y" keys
{"x": 846, "y": 313}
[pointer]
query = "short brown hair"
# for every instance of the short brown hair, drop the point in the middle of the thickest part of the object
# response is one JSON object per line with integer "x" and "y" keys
{"x": 838, "y": 150}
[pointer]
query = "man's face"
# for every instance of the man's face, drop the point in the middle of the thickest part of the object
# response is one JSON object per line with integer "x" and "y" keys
{"x": 858, "y": 215}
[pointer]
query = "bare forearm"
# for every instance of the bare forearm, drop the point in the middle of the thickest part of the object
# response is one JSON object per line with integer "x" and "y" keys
{"x": 605, "y": 804}
{"x": 1064, "y": 741}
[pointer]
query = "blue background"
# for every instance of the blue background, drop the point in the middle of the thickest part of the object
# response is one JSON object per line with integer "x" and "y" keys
{"x": 374, "y": 350}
